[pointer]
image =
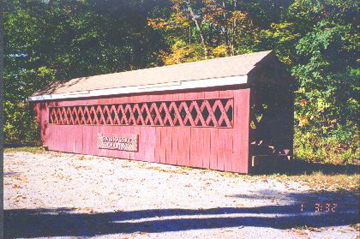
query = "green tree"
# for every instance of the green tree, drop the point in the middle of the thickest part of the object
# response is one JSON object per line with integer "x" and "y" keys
{"x": 200, "y": 29}
{"x": 318, "y": 41}
{"x": 54, "y": 40}
{"x": 46, "y": 41}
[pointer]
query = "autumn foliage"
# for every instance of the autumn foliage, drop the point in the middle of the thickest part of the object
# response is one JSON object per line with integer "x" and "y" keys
{"x": 316, "y": 40}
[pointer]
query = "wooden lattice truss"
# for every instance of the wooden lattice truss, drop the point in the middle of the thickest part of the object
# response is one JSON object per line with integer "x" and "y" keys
{"x": 197, "y": 113}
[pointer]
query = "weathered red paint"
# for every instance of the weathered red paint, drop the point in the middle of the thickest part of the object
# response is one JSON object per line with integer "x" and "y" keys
{"x": 225, "y": 149}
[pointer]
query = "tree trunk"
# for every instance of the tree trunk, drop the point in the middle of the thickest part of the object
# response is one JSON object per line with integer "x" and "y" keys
{"x": 198, "y": 27}
{"x": 234, "y": 31}
{"x": 227, "y": 40}
{"x": 190, "y": 34}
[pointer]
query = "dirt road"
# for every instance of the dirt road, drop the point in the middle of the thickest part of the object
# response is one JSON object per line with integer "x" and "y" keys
{"x": 66, "y": 195}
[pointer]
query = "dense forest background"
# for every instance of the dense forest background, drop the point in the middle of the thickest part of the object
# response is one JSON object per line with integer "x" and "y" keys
{"x": 317, "y": 40}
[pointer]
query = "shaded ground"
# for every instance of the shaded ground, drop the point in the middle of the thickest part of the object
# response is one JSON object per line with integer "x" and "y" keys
{"x": 54, "y": 194}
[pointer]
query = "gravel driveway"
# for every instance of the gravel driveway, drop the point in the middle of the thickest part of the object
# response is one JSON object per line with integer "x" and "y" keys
{"x": 66, "y": 195}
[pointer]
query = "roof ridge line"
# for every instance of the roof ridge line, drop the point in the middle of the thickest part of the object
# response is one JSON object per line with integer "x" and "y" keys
{"x": 172, "y": 65}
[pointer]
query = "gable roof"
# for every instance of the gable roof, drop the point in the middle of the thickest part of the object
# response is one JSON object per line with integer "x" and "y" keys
{"x": 166, "y": 77}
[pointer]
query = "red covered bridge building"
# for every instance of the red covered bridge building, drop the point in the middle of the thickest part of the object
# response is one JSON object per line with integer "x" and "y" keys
{"x": 226, "y": 114}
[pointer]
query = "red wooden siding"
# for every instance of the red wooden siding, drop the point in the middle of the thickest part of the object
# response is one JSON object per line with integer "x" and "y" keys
{"x": 175, "y": 136}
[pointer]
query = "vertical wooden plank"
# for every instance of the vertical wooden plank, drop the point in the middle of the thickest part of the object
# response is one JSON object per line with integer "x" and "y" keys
{"x": 61, "y": 138}
{"x": 200, "y": 140}
{"x": 153, "y": 143}
{"x": 155, "y": 138}
{"x": 78, "y": 138}
{"x": 150, "y": 154}
{"x": 37, "y": 111}
{"x": 182, "y": 150}
{"x": 163, "y": 145}
{"x": 226, "y": 94}
{"x": 184, "y": 146}
{"x": 195, "y": 148}
{"x": 143, "y": 141}
{"x": 174, "y": 132}
{"x": 96, "y": 129}
{"x": 89, "y": 140}
{"x": 157, "y": 150}
{"x": 229, "y": 150}
{"x": 190, "y": 96}
{"x": 85, "y": 140}
{"x": 148, "y": 144}
{"x": 132, "y": 129}
{"x": 225, "y": 156}
{"x": 214, "y": 137}
{"x": 51, "y": 141}
{"x": 126, "y": 128}
{"x": 44, "y": 122}
{"x": 187, "y": 145}
{"x": 93, "y": 134}
{"x": 202, "y": 146}
{"x": 136, "y": 130}
{"x": 166, "y": 145}
{"x": 180, "y": 154}
{"x": 192, "y": 145}
{"x": 221, "y": 149}
{"x": 206, "y": 147}
{"x": 144, "y": 134}
{"x": 241, "y": 130}
{"x": 195, "y": 151}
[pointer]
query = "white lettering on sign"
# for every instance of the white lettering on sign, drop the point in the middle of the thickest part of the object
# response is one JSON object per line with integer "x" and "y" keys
{"x": 123, "y": 143}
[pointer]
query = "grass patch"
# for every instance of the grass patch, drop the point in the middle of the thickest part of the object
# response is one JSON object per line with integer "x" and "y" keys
{"x": 29, "y": 149}
{"x": 319, "y": 181}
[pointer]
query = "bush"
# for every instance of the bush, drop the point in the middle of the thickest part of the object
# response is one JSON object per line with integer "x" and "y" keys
{"x": 20, "y": 126}
{"x": 312, "y": 147}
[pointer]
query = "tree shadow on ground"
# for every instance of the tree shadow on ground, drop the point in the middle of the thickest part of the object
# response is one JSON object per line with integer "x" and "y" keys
{"x": 30, "y": 223}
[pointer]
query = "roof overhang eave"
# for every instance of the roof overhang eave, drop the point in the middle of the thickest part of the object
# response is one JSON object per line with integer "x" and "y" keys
{"x": 167, "y": 86}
